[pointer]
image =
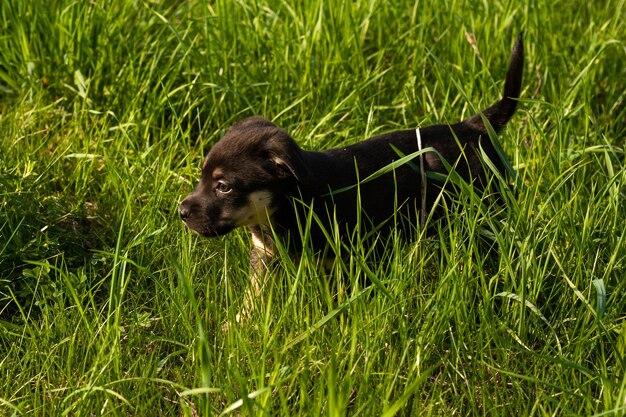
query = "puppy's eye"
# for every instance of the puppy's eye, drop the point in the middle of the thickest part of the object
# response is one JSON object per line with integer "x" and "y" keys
{"x": 222, "y": 187}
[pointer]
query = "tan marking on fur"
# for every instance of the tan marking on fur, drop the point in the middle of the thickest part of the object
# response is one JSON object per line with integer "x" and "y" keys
{"x": 218, "y": 172}
{"x": 260, "y": 245}
{"x": 279, "y": 161}
{"x": 257, "y": 211}
{"x": 263, "y": 245}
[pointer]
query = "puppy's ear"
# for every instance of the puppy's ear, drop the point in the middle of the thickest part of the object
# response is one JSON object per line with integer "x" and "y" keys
{"x": 287, "y": 157}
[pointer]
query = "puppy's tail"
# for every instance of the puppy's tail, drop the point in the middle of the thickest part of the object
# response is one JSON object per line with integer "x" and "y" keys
{"x": 500, "y": 113}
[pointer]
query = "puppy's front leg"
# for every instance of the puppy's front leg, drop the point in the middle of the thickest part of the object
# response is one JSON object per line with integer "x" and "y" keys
{"x": 260, "y": 258}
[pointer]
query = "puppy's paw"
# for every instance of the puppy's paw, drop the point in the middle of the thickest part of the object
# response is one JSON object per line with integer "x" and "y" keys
{"x": 242, "y": 317}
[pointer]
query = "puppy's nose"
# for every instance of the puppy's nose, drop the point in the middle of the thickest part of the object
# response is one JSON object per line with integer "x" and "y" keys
{"x": 184, "y": 211}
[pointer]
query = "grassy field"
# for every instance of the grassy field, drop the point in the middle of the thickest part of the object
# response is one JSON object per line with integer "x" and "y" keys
{"x": 109, "y": 306}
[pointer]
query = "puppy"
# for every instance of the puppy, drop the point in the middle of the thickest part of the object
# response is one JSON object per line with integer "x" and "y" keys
{"x": 257, "y": 176}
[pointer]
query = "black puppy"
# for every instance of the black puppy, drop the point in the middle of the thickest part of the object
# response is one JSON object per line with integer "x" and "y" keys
{"x": 253, "y": 175}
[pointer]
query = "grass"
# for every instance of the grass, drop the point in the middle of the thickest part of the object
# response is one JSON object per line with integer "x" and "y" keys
{"x": 108, "y": 306}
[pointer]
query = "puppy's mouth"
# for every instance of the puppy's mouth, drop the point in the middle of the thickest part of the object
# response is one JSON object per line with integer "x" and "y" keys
{"x": 206, "y": 228}
{"x": 214, "y": 231}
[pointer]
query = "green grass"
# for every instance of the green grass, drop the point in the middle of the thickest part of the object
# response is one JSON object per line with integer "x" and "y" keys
{"x": 108, "y": 306}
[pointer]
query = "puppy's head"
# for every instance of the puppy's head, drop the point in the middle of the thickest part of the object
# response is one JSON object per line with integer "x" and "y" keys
{"x": 242, "y": 177}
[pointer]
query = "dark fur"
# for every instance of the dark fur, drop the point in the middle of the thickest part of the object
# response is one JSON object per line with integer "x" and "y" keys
{"x": 256, "y": 155}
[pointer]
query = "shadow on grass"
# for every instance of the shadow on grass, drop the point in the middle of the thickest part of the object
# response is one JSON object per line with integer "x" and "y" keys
{"x": 37, "y": 226}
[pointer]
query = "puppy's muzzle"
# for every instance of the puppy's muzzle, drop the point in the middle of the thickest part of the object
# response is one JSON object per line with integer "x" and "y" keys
{"x": 185, "y": 210}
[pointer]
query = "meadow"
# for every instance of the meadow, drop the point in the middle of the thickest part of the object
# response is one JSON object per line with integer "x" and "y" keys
{"x": 109, "y": 306}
